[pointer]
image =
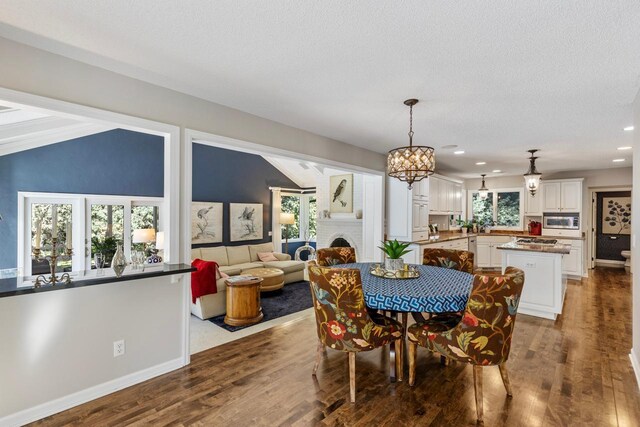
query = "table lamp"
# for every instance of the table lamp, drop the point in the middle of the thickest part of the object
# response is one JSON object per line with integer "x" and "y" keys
{"x": 144, "y": 236}
{"x": 287, "y": 219}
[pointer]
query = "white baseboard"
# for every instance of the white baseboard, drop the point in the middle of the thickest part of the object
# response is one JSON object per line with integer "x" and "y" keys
{"x": 635, "y": 363}
{"x": 63, "y": 403}
{"x": 609, "y": 263}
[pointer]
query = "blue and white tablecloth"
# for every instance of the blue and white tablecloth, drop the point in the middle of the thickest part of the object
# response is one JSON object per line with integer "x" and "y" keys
{"x": 437, "y": 289}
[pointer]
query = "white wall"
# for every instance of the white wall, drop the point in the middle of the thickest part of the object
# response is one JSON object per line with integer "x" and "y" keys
{"x": 635, "y": 351}
{"x": 55, "y": 344}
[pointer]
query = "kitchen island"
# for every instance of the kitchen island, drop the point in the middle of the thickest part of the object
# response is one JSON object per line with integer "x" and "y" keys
{"x": 544, "y": 283}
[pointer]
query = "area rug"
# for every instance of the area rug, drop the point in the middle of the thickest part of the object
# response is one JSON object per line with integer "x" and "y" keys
{"x": 290, "y": 299}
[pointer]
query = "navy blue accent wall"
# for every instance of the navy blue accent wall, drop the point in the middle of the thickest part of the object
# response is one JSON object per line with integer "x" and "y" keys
{"x": 293, "y": 247}
{"x": 116, "y": 162}
{"x": 229, "y": 176}
{"x": 609, "y": 246}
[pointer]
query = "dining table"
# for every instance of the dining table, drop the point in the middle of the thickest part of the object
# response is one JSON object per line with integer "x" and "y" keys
{"x": 435, "y": 290}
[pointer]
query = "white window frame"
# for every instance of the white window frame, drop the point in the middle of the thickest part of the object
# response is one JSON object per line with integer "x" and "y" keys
{"x": 81, "y": 220}
{"x": 495, "y": 192}
{"x": 304, "y": 214}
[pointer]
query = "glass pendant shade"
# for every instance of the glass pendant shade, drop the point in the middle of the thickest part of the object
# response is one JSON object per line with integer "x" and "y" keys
{"x": 411, "y": 163}
{"x": 483, "y": 191}
{"x": 532, "y": 177}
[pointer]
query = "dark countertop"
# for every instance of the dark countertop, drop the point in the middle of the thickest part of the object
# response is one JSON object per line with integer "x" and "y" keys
{"x": 558, "y": 248}
{"x": 9, "y": 287}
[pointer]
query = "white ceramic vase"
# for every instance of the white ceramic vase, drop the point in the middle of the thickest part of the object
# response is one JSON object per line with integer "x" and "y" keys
{"x": 393, "y": 264}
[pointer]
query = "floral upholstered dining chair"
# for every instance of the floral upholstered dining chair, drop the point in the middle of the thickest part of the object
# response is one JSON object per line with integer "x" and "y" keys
{"x": 327, "y": 257}
{"x": 482, "y": 336}
{"x": 342, "y": 321}
{"x": 449, "y": 258}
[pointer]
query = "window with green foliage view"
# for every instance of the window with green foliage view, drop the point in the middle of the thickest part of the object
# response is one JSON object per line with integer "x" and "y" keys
{"x": 501, "y": 208}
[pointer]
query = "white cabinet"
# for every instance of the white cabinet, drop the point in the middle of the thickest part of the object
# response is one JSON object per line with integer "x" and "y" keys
{"x": 562, "y": 196}
{"x": 488, "y": 255}
{"x": 434, "y": 190}
{"x": 572, "y": 263}
{"x": 445, "y": 197}
{"x": 571, "y": 196}
{"x": 421, "y": 190}
{"x": 407, "y": 217}
{"x": 483, "y": 255}
{"x": 551, "y": 196}
{"x": 420, "y": 220}
{"x": 533, "y": 204}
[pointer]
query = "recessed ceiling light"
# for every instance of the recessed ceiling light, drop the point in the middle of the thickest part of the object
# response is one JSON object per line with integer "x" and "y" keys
{"x": 450, "y": 146}
{"x": 459, "y": 152}
{"x": 481, "y": 163}
{"x": 496, "y": 171}
{"x": 625, "y": 148}
{"x": 618, "y": 160}
{"x": 629, "y": 128}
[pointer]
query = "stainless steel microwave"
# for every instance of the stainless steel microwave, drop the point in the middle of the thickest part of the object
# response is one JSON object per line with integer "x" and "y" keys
{"x": 565, "y": 221}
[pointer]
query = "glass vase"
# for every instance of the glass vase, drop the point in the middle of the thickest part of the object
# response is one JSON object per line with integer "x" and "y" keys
{"x": 119, "y": 262}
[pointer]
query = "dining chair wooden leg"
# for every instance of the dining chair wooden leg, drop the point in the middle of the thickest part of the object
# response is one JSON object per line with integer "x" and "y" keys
{"x": 505, "y": 378}
{"x": 352, "y": 376}
{"x": 477, "y": 384}
{"x": 319, "y": 350}
{"x": 400, "y": 359}
{"x": 413, "y": 349}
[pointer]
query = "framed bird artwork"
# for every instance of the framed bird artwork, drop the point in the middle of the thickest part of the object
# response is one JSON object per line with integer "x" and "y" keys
{"x": 206, "y": 222}
{"x": 341, "y": 193}
{"x": 245, "y": 221}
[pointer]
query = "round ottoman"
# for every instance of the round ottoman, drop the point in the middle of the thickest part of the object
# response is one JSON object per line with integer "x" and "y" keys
{"x": 272, "y": 278}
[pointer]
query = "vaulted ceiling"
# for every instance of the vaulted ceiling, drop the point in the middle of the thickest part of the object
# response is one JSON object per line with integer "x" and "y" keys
{"x": 493, "y": 78}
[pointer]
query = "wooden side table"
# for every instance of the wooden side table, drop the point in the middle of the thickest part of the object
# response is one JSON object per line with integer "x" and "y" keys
{"x": 243, "y": 302}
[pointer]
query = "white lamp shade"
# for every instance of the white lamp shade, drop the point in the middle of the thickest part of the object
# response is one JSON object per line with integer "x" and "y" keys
{"x": 144, "y": 235}
{"x": 287, "y": 218}
{"x": 160, "y": 240}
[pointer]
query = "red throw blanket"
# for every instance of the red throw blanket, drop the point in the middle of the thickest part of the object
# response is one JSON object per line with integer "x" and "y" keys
{"x": 203, "y": 281}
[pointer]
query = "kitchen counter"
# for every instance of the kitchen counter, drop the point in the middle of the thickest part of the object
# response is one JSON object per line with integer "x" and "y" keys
{"x": 454, "y": 235}
{"x": 558, "y": 248}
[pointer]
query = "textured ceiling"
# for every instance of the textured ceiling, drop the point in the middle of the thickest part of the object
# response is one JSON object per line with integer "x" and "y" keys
{"x": 494, "y": 78}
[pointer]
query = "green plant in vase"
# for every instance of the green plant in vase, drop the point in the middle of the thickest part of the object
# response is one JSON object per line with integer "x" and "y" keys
{"x": 106, "y": 246}
{"x": 465, "y": 225}
{"x": 394, "y": 251}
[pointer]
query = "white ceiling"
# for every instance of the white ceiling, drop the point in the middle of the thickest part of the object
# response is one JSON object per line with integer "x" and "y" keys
{"x": 304, "y": 174}
{"x": 493, "y": 78}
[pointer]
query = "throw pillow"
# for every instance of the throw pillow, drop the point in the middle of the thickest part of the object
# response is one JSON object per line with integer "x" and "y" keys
{"x": 267, "y": 256}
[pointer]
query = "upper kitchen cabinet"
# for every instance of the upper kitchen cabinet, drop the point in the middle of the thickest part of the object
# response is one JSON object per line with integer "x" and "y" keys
{"x": 533, "y": 204}
{"x": 562, "y": 196}
{"x": 420, "y": 190}
{"x": 445, "y": 196}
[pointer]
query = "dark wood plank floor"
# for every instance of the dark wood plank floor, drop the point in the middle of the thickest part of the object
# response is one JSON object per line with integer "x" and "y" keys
{"x": 574, "y": 371}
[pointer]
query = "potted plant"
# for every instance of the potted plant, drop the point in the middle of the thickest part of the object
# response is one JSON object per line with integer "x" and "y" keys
{"x": 106, "y": 246}
{"x": 394, "y": 251}
{"x": 465, "y": 225}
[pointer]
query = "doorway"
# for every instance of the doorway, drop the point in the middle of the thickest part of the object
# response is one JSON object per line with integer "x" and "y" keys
{"x": 610, "y": 227}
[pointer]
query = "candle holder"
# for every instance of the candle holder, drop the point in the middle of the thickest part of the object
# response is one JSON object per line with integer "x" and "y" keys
{"x": 58, "y": 251}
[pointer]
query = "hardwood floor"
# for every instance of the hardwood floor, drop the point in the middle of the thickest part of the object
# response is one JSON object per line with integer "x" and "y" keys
{"x": 575, "y": 371}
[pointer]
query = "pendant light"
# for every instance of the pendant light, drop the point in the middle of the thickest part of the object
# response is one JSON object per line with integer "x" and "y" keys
{"x": 532, "y": 177}
{"x": 483, "y": 191}
{"x": 411, "y": 163}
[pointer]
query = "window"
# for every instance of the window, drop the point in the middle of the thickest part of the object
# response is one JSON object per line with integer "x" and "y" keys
{"x": 304, "y": 209}
{"x": 502, "y": 208}
{"x": 98, "y": 224}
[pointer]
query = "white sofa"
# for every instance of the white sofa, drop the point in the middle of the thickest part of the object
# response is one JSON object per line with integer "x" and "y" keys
{"x": 232, "y": 260}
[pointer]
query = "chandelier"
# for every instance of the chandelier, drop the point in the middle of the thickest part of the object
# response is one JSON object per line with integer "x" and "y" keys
{"x": 532, "y": 177}
{"x": 411, "y": 163}
{"x": 483, "y": 191}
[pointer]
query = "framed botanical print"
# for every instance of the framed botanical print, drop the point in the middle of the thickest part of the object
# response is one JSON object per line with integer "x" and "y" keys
{"x": 206, "y": 222}
{"x": 341, "y": 193}
{"x": 616, "y": 215}
{"x": 245, "y": 221}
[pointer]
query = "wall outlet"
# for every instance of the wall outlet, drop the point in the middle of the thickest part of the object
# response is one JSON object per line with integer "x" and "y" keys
{"x": 118, "y": 348}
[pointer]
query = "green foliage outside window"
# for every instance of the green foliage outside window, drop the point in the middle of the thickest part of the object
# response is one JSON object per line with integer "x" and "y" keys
{"x": 509, "y": 209}
{"x": 482, "y": 209}
{"x": 291, "y": 204}
{"x": 313, "y": 215}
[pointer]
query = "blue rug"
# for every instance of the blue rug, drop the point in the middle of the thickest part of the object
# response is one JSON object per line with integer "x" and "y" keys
{"x": 290, "y": 299}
